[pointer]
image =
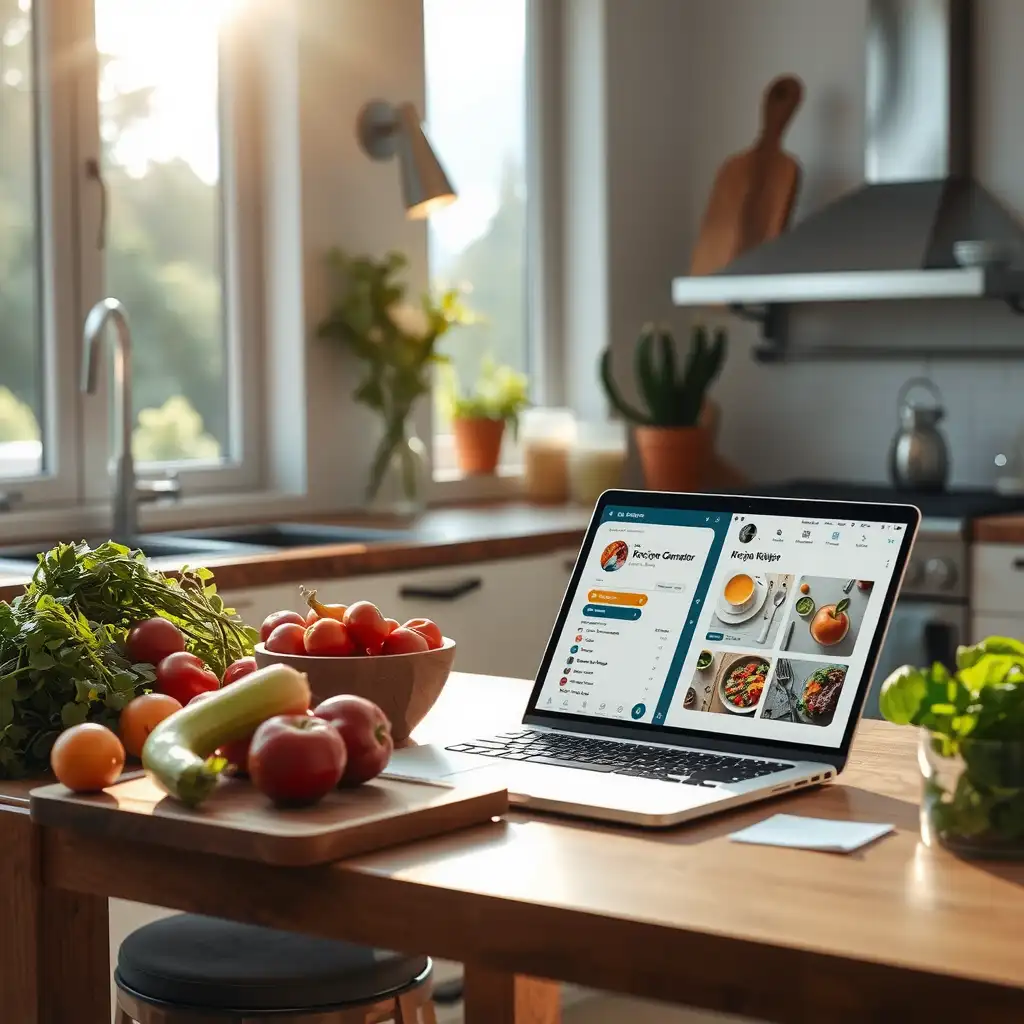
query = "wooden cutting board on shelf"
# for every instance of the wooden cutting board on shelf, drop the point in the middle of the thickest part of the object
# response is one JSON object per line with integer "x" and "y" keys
{"x": 754, "y": 191}
{"x": 238, "y": 821}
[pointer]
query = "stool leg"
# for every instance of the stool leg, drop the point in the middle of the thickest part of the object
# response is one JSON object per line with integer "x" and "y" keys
{"x": 413, "y": 1009}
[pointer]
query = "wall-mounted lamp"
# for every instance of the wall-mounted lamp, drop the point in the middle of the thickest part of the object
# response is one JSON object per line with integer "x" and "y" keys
{"x": 386, "y": 130}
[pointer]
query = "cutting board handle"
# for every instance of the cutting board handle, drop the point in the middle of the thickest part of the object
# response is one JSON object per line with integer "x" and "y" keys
{"x": 781, "y": 100}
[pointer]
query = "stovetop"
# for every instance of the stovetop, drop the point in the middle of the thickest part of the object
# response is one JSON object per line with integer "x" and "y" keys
{"x": 961, "y": 504}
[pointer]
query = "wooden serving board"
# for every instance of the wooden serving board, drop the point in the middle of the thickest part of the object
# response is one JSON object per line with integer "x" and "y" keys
{"x": 238, "y": 821}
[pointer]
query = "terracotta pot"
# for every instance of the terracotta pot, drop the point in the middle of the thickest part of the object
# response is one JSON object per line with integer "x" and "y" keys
{"x": 404, "y": 686}
{"x": 478, "y": 444}
{"x": 674, "y": 458}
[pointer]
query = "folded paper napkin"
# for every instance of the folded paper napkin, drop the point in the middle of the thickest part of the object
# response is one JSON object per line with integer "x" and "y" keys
{"x": 811, "y": 833}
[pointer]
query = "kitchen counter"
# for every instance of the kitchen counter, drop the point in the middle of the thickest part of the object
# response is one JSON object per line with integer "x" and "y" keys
{"x": 1007, "y": 529}
{"x": 440, "y": 537}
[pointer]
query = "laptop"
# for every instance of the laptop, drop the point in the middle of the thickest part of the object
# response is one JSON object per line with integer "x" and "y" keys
{"x": 710, "y": 651}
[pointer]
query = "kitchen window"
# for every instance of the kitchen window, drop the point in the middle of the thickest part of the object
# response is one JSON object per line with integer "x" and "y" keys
{"x": 123, "y": 172}
{"x": 476, "y": 113}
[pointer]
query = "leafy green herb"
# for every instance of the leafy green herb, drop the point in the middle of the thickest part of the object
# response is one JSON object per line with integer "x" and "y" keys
{"x": 62, "y": 657}
{"x": 975, "y": 713}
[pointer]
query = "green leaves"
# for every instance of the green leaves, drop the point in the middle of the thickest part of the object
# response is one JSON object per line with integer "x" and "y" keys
{"x": 62, "y": 642}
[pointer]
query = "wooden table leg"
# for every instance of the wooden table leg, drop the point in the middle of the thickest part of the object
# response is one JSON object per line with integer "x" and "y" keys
{"x": 55, "y": 964}
{"x": 492, "y": 997}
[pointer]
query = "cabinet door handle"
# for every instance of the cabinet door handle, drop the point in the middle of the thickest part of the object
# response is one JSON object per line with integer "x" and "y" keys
{"x": 569, "y": 564}
{"x": 1018, "y": 563}
{"x": 441, "y": 592}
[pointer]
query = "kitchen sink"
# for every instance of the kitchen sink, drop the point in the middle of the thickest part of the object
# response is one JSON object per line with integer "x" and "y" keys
{"x": 194, "y": 545}
{"x": 296, "y": 535}
{"x": 21, "y": 558}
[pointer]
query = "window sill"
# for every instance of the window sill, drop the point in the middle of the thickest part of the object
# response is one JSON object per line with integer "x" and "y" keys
{"x": 451, "y": 486}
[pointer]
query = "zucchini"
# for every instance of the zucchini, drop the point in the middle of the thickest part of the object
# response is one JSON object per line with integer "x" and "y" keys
{"x": 176, "y": 753}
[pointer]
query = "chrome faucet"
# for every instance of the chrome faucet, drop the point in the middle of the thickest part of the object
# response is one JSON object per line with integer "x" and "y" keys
{"x": 128, "y": 491}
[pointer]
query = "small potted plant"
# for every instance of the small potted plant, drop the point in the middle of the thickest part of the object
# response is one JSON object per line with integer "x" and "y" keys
{"x": 673, "y": 442}
{"x": 479, "y": 416}
{"x": 971, "y": 723}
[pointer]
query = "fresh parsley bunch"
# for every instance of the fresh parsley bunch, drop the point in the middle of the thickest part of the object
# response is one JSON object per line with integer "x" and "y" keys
{"x": 62, "y": 655}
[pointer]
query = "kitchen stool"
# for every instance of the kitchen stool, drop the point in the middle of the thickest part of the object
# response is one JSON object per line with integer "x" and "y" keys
{"x": 191, "y": 969}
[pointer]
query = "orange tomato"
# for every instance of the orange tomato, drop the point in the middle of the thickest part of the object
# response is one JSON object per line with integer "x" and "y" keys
{"x": 87, "y": 757}
{"x": 141, "y": 716}
{"x": 429, "y": 629}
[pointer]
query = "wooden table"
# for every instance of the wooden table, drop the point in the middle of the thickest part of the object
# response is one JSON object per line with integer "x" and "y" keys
{"x": 894, "y": 932}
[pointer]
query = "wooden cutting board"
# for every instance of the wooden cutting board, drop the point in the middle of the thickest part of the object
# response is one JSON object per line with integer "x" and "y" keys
{"x": 238, "y": 821}
{"x": 754, "y": 191}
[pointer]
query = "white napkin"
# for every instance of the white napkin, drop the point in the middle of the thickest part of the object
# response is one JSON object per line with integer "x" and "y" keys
{"x": 811, "y": 833}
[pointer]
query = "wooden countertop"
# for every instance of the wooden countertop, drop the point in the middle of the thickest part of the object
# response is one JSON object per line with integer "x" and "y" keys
{"x": 1006, "y": 529}
{"x": 896, "y": 931}
{"x": 441, "y": 536}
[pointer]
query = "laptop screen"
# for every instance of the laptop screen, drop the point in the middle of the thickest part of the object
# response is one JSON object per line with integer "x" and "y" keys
{"x": 744, "y": 624}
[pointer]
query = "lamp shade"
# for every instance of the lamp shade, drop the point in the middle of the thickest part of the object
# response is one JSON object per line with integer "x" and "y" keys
{"x": 384, "y": 131}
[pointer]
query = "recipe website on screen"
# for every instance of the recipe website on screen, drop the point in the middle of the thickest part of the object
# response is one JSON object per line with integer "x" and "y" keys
{"x": 756, "y": 626}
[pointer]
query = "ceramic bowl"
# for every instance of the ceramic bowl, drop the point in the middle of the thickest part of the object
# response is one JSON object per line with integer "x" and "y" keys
{"x": 404, "y": 686}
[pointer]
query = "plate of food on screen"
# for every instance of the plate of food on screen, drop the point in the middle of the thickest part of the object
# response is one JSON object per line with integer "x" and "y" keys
{"x": 820, "y": 695}
{"x": 743, "y": 684}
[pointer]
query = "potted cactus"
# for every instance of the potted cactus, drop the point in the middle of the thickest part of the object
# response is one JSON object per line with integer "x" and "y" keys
{"x": 673, "y": 443}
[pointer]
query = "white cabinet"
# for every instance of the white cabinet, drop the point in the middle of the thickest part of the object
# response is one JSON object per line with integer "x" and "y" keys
{"x": 499, "y": 613}
{"x": 997, "y": 591}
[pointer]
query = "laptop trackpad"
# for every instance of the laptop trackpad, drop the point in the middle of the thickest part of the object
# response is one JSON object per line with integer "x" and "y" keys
{"x": 434, "y": 762}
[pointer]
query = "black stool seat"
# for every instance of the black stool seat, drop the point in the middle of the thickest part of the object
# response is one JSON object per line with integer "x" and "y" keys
{"x": 210, "y": 964}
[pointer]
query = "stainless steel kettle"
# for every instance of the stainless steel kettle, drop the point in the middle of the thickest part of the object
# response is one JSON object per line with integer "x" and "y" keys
{"x": 919, "y": 457}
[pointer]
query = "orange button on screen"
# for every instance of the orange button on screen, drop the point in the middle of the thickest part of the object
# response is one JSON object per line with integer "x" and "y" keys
{"x": 617, "y": 597}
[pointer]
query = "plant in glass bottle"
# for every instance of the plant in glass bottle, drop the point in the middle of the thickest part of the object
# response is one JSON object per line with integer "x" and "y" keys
{"x": 397, "y": 343}
{"x": 971, "y": 749}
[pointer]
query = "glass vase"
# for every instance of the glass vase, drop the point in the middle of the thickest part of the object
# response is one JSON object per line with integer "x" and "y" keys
{"x": 400, "y": 474}
{"x": 973, "y": 800}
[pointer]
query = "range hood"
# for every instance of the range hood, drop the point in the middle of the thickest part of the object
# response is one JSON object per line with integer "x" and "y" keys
{"x": 892, "y": 238}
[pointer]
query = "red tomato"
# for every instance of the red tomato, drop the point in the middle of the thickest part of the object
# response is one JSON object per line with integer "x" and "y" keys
{"x": 237, "y": 669}
{"x": 151, "y": 641}
{"x": 287, "y": 639}
{"x": 392, "y": 625}
{"x": 183, "y": 675}
{"x": 429, "y": 629}
{"x": 311, "y": 617}
{"x": 295, "y": 759}
{"x": 366, "y": 732}
{"x": 328, "y": 638}
{"x": 271, "y": 622}
{"x": 404, "y": 641}
{"x": 366, "y": 625}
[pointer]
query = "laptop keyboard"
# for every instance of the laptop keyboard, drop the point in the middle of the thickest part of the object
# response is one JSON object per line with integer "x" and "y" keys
{"x": 563, "y": 750}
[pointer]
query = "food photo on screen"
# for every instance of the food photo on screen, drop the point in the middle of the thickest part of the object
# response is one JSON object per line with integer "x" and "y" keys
{"x": 727, "y": 683}
{"x": 826, "y": 616}
{"x": 804, "y": 692}
{"x": 750, "y": 608}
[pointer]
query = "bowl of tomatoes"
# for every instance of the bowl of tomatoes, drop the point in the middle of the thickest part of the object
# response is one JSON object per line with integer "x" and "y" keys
{"x": 356, "y": 649}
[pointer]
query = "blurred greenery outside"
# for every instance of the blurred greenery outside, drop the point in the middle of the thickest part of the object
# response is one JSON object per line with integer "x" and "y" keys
{"x": 162, "y": 260}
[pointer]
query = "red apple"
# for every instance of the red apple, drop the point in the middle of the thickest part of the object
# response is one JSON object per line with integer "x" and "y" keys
{"x": 296, "y": 759}
{"x": 366, "y": 732}
{"x": 404, "y": 641}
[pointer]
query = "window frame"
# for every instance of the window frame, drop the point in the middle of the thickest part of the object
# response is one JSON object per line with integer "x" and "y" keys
{"x": 76, "y": 429}
{"x": 543, "y": 245}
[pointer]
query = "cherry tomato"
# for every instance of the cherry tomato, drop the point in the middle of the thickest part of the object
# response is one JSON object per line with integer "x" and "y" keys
{"x": 183, "y": 675}
{"x": 328, "y": 637}
{"x": 141, "y": 716}
{"x": 272, "y": 621}
{"x": 404, "y": 641}
{"x": 429, "y": 629}
{"x": 393, "y": 624}
{"x": 237, "y": 669}
{"x": 288, "y": 638}
{"x": 153, "y": 640}
{"x": 87, "y": 757}
{"x": 366, "y": 625}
